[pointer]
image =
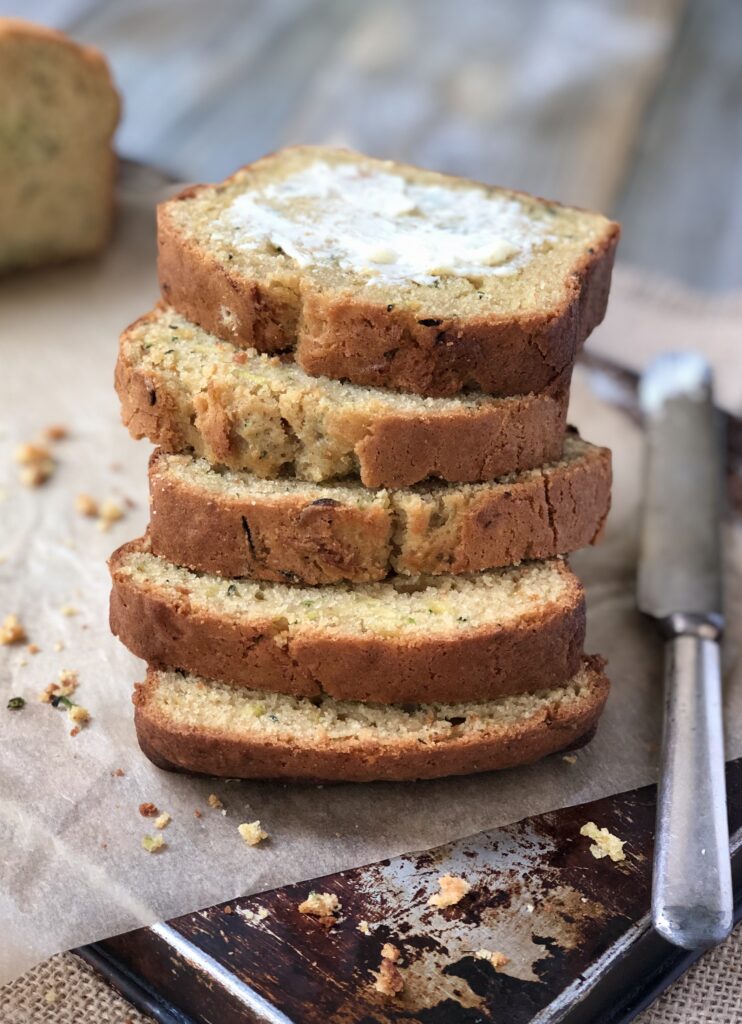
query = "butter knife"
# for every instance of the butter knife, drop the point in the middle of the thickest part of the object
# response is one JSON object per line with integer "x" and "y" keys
{"x": 680, "y": 586}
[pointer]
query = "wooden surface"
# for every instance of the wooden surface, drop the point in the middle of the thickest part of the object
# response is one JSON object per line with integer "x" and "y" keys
{"x": 632, "y": 106}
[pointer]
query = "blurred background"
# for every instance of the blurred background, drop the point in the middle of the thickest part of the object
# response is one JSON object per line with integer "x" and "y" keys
{"x": 630, "y": 106}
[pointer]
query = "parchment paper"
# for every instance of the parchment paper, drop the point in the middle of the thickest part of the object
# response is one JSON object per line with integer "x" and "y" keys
{"x": 73, "y": 869}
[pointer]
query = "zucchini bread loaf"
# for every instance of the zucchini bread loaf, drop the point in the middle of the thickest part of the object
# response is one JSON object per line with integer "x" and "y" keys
{"x": 187, "y": 390}
{"x": 190, "y": 724}
{"x": 384, "y": 274}
{"x": 407, "y": 639}
{"x": 238, "y": 524}
{"x": 58, "y": 114}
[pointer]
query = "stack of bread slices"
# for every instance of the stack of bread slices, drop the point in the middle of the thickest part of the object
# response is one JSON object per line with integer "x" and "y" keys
{"x": 364, "y": 486}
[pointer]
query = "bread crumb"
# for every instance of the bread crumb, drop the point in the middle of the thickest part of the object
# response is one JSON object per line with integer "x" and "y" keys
{"x": 162, "y": 820}
{"x": 109, "y": 513}
{"x": 33, "y": 648}
{"x": 68, "y": 682}
{"x": 604, "y": 844}
{"x": 215, "y": 802}
{"x": 78, "y": 714}
{"x": 11, "y": 631}
{"x": 55, "y": 432}
{"x": 118, "y": 773}
{"x": 86, "y": 505}
{"x": 68, "y": 610}
{"x": 389, "y": 980}
{"x": 497, "y": 959}
{"x": 364, "y": 927}
{"x": 58, "y": 646}
{"x": 197, "y": 813}
{"x": 322, "y": 905}
{"x": 36, "y": 462}
{"x": 252, "y": 833}
{"x": 35, "y": 476}
{"x": 75, "y": 730}
{"x": 153, "y": 844}
{"x": 253, "y": 916}
{"x": 50, "y": 996}
{"x": 570, "y": 759}
{"x": 148, "y": 810}
{"x": 453, "y": 890}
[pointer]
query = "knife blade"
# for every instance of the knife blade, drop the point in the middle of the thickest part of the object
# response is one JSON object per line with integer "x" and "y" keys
{"x": 679, "y": 584}
{"x": 680, "y": 553}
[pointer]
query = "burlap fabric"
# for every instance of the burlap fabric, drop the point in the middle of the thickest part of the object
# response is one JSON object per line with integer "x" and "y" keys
{"x": 64, "y": 990}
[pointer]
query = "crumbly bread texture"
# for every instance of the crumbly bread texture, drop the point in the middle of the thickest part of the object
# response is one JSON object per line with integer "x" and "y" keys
{"x": 237, "y": 524}
{"x": 189, "y": 724}
{"x": 186, "y": 390}
{"x": 406, "y": 639}
{"x": 385, "y": 274}
{"x": 57, "y": 119}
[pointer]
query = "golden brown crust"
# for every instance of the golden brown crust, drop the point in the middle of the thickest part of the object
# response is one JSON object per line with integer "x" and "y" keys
{"x": 188, "y": 749}
{"x": 343, "y": 337}
{"x": 536, "y": 651}
{"x": 466, "y": 447}
{"x": 292, "y": 540}
{"x": 20, "y": 29}
{"x": 316, "y": 541}
{"x": 392, "y": 449}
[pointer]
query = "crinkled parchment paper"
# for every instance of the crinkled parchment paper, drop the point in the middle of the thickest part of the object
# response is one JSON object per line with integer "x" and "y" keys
{"x": 72, "y": 865}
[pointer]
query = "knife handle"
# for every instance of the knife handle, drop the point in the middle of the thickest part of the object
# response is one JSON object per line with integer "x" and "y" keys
{"x": 692, "y": 884}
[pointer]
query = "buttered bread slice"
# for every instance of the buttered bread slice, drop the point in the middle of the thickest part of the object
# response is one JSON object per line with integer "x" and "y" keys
{"x": 184, "y": 389}
{"x": 406, "y": 639}
{"x": 384, "y": 274}
{"x": 238, "y": 524}
{"x": 190, "y": 724}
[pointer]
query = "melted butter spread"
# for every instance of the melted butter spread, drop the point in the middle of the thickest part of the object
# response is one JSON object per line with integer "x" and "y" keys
{"x": 383, "y": 226}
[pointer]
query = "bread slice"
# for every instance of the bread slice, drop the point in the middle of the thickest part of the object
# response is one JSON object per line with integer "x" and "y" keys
{"x": 418, "y": 638}
{"x": 185, "y": 389}
{"x": 237, "y": 524}
{"x": 58, "y": 114}
{"x": 187, "y": 723}
{"x": 388, "y": 275}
